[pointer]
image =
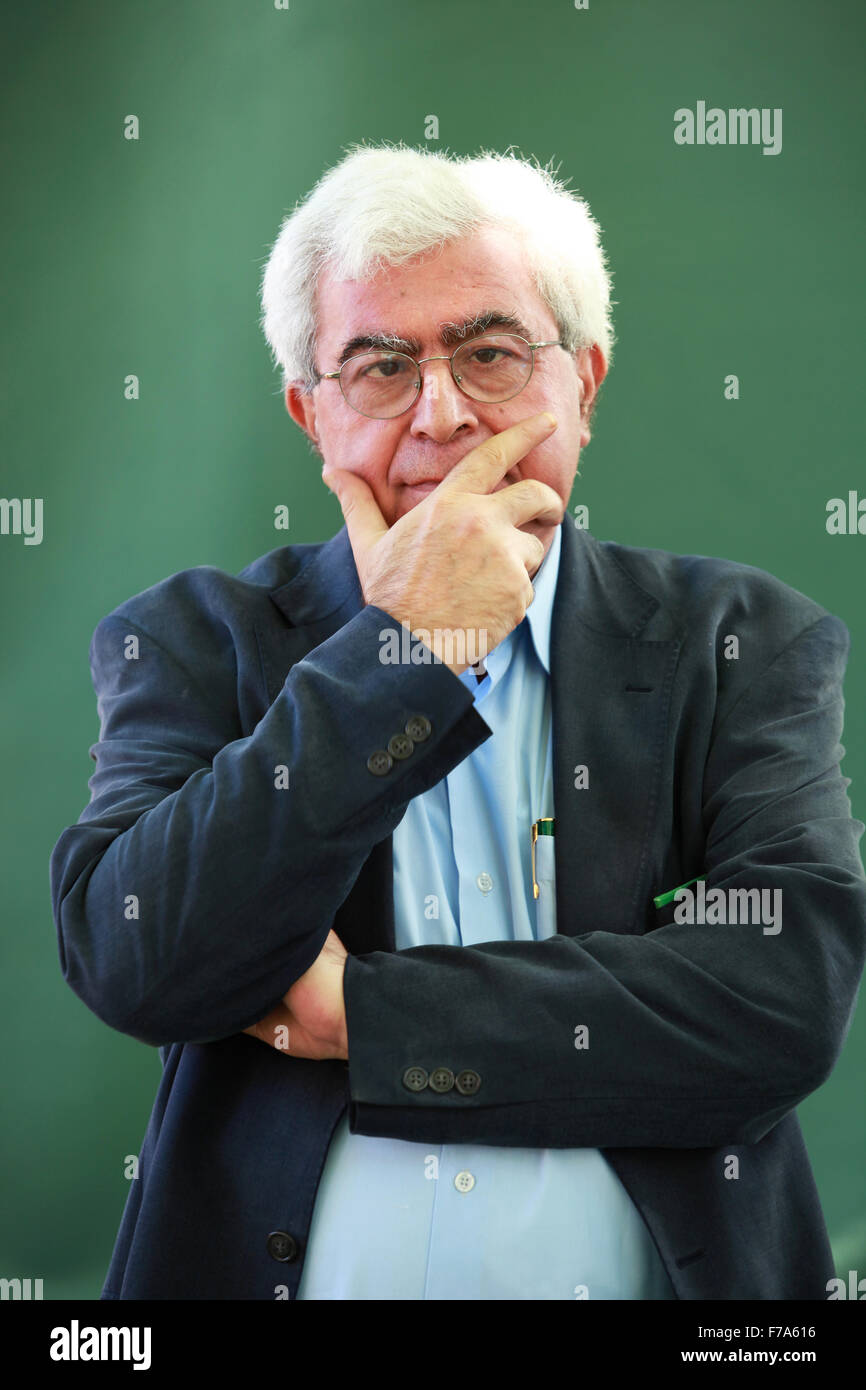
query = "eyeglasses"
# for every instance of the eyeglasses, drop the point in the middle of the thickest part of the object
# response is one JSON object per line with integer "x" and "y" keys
{"x": 384, "y": 384}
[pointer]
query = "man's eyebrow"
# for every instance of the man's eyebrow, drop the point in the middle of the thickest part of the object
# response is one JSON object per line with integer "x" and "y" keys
{"x": 449, "y": 334}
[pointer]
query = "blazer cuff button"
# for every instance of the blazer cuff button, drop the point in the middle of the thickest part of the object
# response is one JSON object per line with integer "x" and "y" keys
{"x": 418, "y": 727}
{"x": 414, "y": 1078}
{"x": 400, "y": 746}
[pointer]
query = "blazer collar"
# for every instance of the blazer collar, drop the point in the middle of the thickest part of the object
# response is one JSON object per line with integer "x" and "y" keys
{"x": 592, "y": 588}
{"x": 325, "y": 587}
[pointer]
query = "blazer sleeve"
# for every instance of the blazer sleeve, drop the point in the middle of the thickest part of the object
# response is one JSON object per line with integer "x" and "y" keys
{"x": 196, "y": 886}
{"x": 698, "y": 1035}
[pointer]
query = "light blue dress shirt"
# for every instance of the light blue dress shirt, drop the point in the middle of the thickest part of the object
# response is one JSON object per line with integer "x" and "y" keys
{"x": 399, "y": 1220}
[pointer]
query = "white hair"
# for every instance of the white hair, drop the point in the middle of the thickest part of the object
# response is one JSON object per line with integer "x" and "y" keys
{"x": 384, "y": 204}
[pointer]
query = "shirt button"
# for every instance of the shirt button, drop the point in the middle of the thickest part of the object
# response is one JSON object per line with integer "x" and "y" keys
{"x": 464, "y": 1182}
{"x": 485, "y": 882}
{"x": 418, "y": 727}
{"x": 380, "y": 763}
{"x": 282, "y": 1246}
{"x": 400, "y": 746}
{"x": 467, "y": 1082}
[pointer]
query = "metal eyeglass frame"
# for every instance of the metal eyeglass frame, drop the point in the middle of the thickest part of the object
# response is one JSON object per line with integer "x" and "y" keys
{"x": 330, "y": 376}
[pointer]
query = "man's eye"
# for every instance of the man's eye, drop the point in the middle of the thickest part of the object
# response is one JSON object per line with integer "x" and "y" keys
{"x": 385, "y": 369}
{"x": 486, "y": 355}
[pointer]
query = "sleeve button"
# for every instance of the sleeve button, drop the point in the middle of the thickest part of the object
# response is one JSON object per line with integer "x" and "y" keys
{"x": 441, "y": 1080}
{"x": 414, "y": 1078}
{"x": 380, "y": 763}
{"x": 418, "y": 727}
{"x": 400, "y": 746}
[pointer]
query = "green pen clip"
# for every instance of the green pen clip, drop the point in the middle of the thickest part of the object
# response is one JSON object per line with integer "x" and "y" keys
{"x": 664, "y": 898}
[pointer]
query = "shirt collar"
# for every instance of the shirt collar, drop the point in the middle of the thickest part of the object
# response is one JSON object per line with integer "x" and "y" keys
{"x": 537, "y": 620}
{"x": 540, "y": 611}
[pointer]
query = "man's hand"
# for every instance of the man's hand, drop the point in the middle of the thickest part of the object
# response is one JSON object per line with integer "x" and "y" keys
{"x": 457, "y": 562}
{"x": 311, "y": 1021}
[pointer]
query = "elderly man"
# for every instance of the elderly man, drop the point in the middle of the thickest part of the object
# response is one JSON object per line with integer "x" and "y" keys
{"x": 438, "y": 858}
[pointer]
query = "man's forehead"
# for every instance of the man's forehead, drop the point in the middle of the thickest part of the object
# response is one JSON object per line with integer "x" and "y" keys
{"x": 469, "y": 285}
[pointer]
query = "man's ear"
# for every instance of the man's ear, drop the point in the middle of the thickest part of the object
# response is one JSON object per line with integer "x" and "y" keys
{"x": 302, "y": 408}
{"x": 592, "y": 370}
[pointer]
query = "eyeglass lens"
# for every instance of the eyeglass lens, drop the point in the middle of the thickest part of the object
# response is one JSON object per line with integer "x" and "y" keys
{"x": 382, "y": 384}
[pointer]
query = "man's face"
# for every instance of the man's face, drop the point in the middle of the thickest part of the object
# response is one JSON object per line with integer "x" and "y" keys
{"x": 474, "y": 275}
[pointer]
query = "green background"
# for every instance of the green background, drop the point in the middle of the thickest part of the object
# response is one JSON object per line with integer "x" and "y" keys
{"x": 144, "y": 257}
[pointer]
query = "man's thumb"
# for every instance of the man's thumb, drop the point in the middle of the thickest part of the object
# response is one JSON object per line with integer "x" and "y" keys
{"x": 364, "y": 521}
{"x": 345, "y": 485}
{"x": 331, "y": 479}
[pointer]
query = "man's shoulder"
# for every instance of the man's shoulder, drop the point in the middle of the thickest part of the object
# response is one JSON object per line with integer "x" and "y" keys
{"x": 206, "y": 592}
{"x": 205, "y": 618}
{"x": 705, "y": 591}
{"x": 734, "y": 622}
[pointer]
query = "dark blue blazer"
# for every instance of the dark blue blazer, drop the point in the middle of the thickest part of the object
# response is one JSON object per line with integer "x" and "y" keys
{"x": 703, "y": 1039}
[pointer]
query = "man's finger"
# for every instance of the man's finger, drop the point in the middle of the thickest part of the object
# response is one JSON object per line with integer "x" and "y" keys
{"x": 529, "y": 499}
{"x": 364, "y": 521}
{"x": 485, "y": 466}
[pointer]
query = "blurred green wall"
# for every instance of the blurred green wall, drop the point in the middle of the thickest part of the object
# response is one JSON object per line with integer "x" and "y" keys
{"x": 144, "y": 257}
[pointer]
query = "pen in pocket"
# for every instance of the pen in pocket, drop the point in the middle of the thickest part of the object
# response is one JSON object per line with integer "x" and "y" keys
{"x": 545, "y": 826}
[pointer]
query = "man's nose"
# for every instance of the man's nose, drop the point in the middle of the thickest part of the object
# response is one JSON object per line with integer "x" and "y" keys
{"x": 441, "y": 407}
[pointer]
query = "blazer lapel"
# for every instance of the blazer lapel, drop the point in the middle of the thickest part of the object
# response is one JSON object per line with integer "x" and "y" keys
{"x": 610, "y": 701}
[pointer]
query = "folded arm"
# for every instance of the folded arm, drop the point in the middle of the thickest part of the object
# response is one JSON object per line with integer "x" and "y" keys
{"x": 196, "y": 887}
{"x": 698, "y": 1035}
